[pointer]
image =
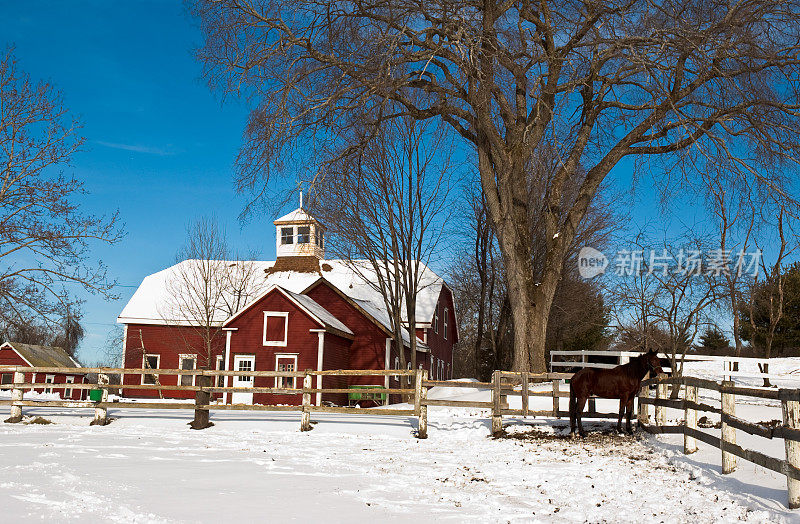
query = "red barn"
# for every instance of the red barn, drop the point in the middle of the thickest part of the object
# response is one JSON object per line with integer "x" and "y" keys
{"x": 29, "y": 355}
{"x": 298, "y": 312}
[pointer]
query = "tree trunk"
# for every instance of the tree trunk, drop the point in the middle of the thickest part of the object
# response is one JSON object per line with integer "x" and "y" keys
{"x": 202, "y": 398}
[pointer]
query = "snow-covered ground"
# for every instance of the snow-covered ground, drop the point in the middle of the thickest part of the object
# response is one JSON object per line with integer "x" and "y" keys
{"x": 148, "y": 466}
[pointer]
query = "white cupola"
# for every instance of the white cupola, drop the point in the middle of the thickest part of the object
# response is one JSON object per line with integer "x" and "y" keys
{"x": 298, "y": 234}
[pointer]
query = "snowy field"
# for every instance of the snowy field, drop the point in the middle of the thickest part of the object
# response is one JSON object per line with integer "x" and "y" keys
{"x": 147, "y": 466}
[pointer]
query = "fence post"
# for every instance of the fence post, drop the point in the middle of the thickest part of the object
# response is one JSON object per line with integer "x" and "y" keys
{"x": 643, "y": 414}
{"x": 661, "y": 416}
{"x": 417, "y": 391}
{"x": 556, "y": 403}
{"x": 101, "y": 413}
{"x": 16, "y": 396}
{"x": 790, "y": 404}
{"x": 525, "y": 393}
{"x": 305, "y": 416}
{"x": 728, "y": 432}
{"x": 422, "y": 427}
{"x": 690, "y": 416}
{"x": 497, "y": 416}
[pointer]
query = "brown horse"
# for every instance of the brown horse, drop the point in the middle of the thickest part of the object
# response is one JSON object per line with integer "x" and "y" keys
{"x": 622, "y": 382}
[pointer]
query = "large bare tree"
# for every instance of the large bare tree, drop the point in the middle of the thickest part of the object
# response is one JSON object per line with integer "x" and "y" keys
{"x": 45, "y": 238}
{"x": 205, "y": 290}
{"x": 386, "y": 203}
{"x": 666, "y": 82}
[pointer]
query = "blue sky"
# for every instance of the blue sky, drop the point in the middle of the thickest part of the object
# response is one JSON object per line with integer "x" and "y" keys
{"x": 160, "y": 146}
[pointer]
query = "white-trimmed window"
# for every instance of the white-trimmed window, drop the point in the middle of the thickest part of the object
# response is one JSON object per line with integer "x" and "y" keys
{"x": 304, "y": 235}
{"x": 276, "y": 328}
{"x": 287, "y": 235}
{"x": 319, "y": 237}
{"x": 6, "y": 378}
{"x": 433, "y": 368}
{"x": 186, "y": 363}
{"x": 436, "y": 319}
{"x": 219, "y": 367}
{"x": 150, "y": 362}
{"x": 444, "y": 321}
{"x": 49, "y": 379}
{"x": 243, "y": 363}
{"x": 68, "y": 391}
{"x": 285, "y": 362}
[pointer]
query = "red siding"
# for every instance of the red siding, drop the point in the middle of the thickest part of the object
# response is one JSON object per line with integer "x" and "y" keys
{"x": 249, "y": 340}
{"x": 9, "y": 357}
{"x": 368, "y": 348}
{"x": 441, "y": 348}
{"x": 336, "y": 355}
{"x": 169, "y": 342}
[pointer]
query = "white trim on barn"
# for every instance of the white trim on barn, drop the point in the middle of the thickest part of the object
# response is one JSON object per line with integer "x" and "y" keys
{"x": 277, "y": 314}
{"x": 280, "y": 381}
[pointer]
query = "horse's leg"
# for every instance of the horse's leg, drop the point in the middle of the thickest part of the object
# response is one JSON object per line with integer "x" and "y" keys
{"x": 572, "y": 414}
{"x": 622, "y": 403}
{"x": 628, "y": 426}
{"x": 581, "y": 401}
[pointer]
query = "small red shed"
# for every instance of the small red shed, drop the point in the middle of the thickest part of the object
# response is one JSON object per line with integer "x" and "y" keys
{"x": 29, "y": 355}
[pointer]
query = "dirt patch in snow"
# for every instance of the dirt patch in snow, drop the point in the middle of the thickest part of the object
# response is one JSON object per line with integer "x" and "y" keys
{"x": 37, "y": 420}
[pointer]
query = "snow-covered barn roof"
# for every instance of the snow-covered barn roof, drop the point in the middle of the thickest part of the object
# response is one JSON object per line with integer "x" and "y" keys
{"x": 42, "y": 356}
{"x": 298, "y": 215}
{"x": 154, "y": 302}
{"x": 304, "y": 302}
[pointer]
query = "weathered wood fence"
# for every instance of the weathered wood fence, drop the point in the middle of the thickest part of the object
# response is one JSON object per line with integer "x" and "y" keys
{"x": 19, "y": 386}
{"x": 789, "y": 430}
{"x": 503, "y": 385}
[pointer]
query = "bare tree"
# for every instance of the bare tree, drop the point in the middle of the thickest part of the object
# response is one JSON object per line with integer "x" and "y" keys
{"x": 385, "y": 203}
{"x": 206, "y": 289}
{"x": 737, "y": 220}
{"x": 44, "y": 236}
{"x": 769, "y": 295}
{"x": 672, "y": 288}
{"x": 603, "y": 79}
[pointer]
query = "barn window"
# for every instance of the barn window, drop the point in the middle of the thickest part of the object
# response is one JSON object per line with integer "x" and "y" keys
{"x": 304, "y": 235}
{"x": 68, "y": 391}
{"x": 275, "y": 328}
{"x": 6, "y": 378}
{"x": 444, "y": 322}
{"x": 285, "y": 362}
{"x": 287, "y": 235}
{"x": 150, "y": 362}
{"x": 49, "y": 379}
{"x": 187, "y": 363}
{"x": 220, "y": 367}
{"x": 436, "y": 319}
{"x": 319, "y": 238}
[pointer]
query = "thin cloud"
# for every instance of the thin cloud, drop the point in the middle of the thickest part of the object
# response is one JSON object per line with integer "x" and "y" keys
{"x": 138, "y": 148}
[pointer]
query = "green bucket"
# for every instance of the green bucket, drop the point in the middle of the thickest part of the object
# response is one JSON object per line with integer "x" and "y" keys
{"x": 95, "y": 395}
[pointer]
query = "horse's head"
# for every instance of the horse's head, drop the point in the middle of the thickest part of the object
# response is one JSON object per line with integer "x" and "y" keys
{"x": 652, "y": 362}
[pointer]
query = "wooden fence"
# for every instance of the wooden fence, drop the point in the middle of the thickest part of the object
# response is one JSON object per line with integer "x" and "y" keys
{"x": 503, "y": 385}
{"x": 789, "y": 431}
{"x": 19, "y": 386}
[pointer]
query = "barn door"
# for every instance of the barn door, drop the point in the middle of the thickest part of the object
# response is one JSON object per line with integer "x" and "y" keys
{"x": 243, "y": 363}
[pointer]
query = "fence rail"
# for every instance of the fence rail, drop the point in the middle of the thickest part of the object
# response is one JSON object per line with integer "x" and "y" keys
{"x": 789, "y": 431}
{"x": 559, "y": 359}
{"x": 502, "y": 386}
